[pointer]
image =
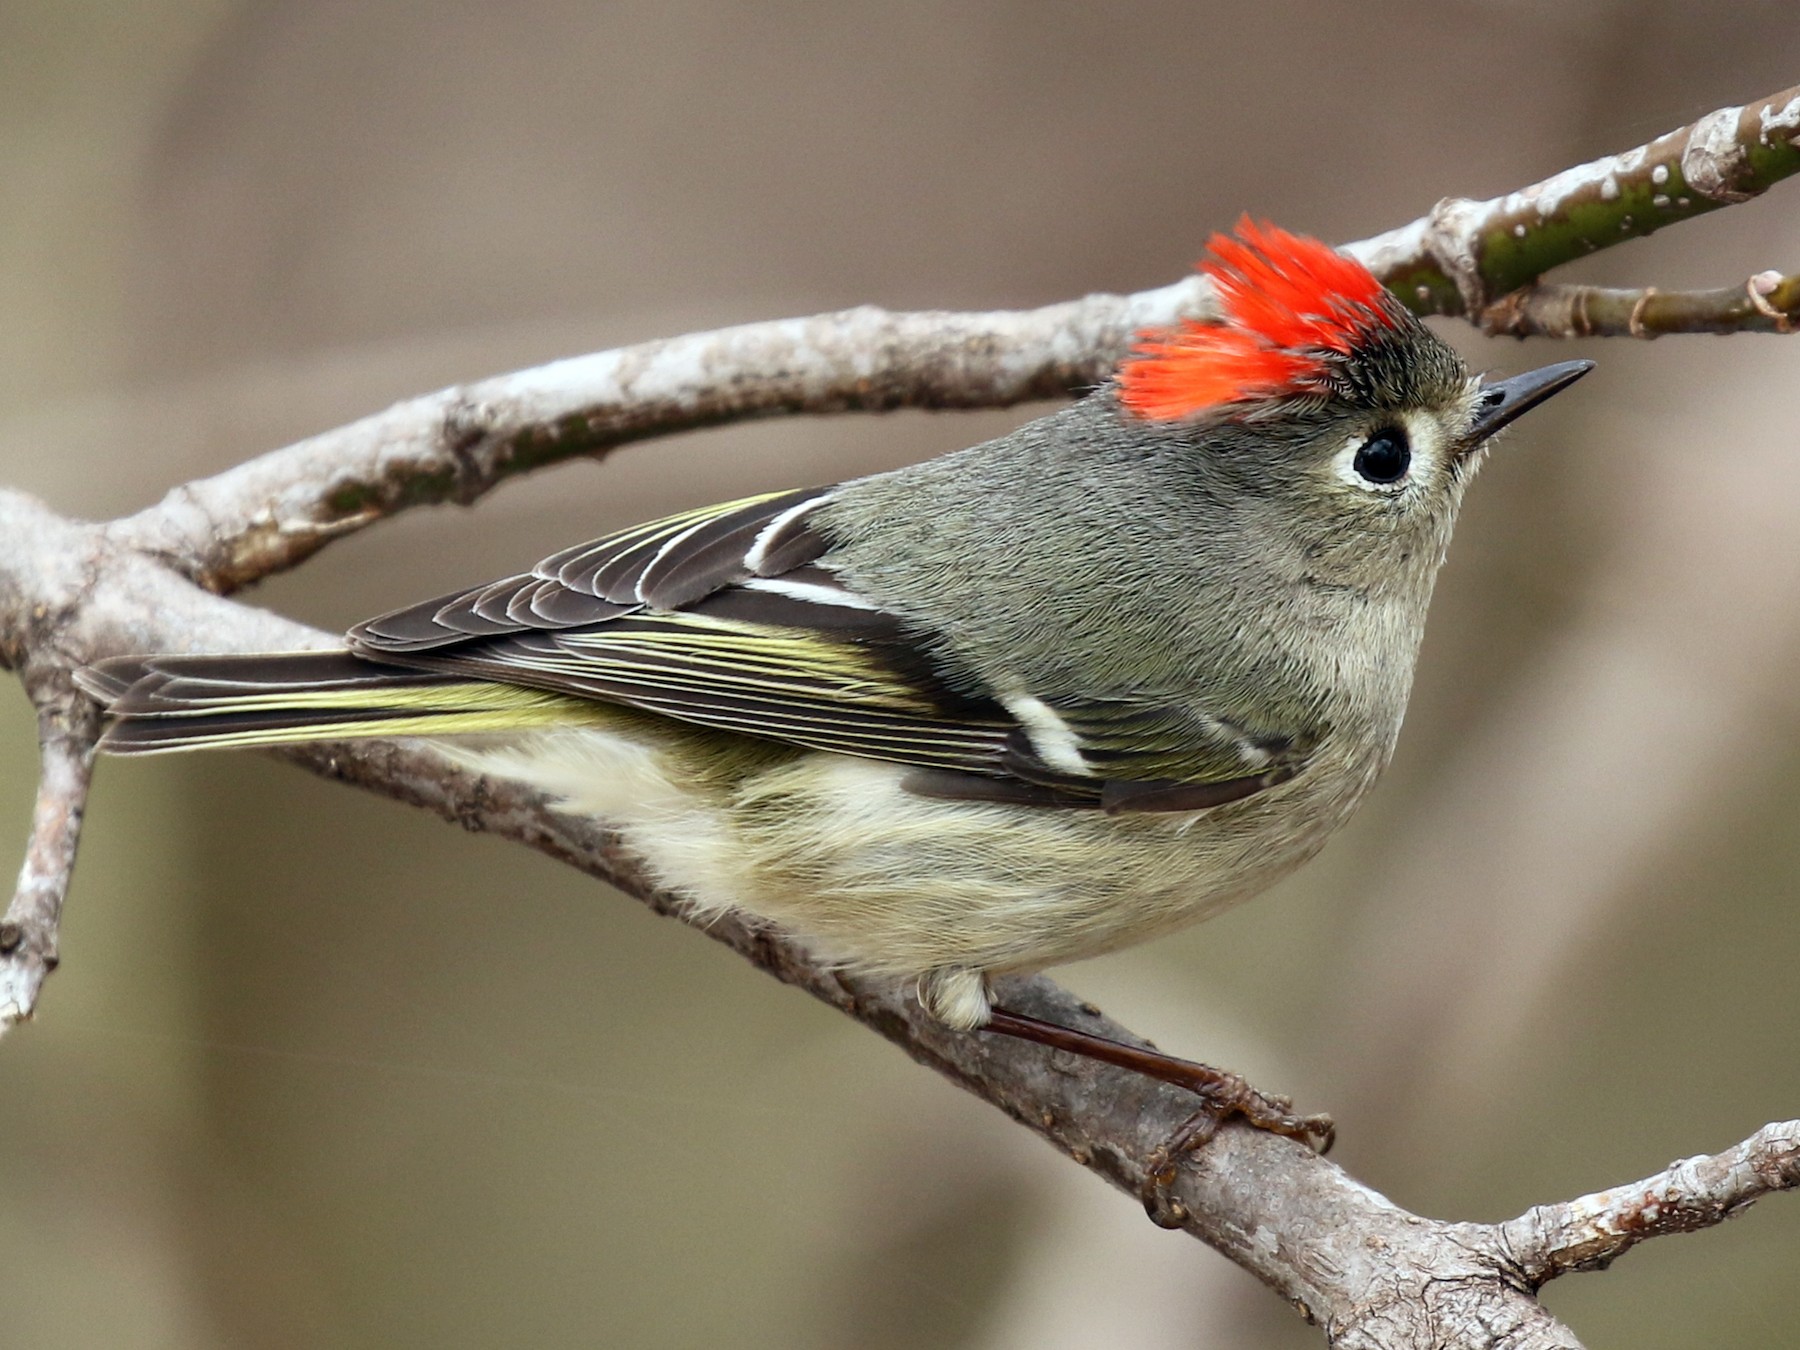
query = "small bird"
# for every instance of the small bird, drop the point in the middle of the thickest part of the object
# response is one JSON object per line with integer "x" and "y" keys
{"x": 1020, "y": 704}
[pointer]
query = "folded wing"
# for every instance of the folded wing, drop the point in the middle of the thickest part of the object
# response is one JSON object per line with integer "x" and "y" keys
{"x": 731, "y": 617}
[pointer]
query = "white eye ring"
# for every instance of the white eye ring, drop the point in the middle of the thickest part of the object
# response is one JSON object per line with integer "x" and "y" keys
{"x": 1418, "y": 439}
{"x": 1378, "y": 461}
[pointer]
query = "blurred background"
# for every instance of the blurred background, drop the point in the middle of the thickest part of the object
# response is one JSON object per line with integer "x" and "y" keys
{"x": 319, "y": 1071}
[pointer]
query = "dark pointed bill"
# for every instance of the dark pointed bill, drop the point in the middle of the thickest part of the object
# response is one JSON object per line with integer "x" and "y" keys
{"x": 1502, "y": 400}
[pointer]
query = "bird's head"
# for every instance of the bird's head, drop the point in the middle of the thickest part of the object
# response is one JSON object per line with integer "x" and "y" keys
{"x": 1320, "y": 412}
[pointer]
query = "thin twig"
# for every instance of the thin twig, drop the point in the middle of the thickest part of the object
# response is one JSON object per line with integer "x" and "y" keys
{"x": 1767, "y": 303}
{"x": 67, "y": 727}
{"x": 1592, "y": 1232}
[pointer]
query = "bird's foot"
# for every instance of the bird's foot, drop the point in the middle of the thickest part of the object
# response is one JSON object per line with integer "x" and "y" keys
{"x": 1229, "y": 1096}
{"x": 1225, "y": 1096}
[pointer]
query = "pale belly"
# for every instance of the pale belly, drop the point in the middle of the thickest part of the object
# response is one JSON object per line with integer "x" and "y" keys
{"x": 887, "y": 882}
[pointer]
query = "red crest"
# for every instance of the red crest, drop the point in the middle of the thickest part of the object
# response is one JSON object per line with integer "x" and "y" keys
{"x": 1290, "y": 305}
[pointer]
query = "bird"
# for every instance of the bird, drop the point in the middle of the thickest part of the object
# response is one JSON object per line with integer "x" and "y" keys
{"x": 1019, "y": 704}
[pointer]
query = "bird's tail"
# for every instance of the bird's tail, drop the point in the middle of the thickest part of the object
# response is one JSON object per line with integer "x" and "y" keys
{"x": 158, "y": 703}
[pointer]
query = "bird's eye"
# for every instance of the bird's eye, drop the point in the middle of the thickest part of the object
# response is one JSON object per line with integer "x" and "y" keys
{"x": 1385, "y": 457}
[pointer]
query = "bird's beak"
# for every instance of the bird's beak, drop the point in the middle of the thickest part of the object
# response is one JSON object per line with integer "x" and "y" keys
{"x": 1499, "y": 401}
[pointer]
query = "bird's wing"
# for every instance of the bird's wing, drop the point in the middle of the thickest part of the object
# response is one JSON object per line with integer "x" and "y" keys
{"x": 719, "y": 616}
{"x": 1156, "y": 752}
{"x": 732, "y": 617}
{"x": 660, "y": 565}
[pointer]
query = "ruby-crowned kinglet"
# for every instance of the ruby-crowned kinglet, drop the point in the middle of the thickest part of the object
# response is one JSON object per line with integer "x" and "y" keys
{"x": 1016, "y": 705}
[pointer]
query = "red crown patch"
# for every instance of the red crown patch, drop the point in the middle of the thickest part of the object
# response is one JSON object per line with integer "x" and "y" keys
{"x": 1290, "y": 305}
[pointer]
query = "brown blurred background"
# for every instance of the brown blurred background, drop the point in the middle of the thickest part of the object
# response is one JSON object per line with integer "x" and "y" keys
{"x": 319, "y": 1071}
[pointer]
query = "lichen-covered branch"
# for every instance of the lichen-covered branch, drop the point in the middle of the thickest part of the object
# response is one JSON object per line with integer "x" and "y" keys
{"x": 40, "y": 590}
{"x": 1466, "y": 254}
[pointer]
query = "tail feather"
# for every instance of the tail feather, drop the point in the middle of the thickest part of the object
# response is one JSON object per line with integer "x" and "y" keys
{"x": 162, "y": 703}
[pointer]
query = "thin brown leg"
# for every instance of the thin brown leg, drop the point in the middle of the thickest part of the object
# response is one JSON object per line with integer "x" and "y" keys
{"x": 1225, "y": 1094}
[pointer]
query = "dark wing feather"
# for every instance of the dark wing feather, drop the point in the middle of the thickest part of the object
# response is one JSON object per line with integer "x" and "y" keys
{"x": 780, "y": 683}
{"x": 673, "y": 562}
{"x": 716, "y": 616}
{"x": 732, "y": 617}
{"x": 663, "y": 564}
{"x": 1162, "y": 754}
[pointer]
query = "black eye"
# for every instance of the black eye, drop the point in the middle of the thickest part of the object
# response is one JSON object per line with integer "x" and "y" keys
{"x": 1384, "y": 457}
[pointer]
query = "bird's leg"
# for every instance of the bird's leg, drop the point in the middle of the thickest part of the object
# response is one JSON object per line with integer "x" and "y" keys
{"x": 1226, "y": 1094}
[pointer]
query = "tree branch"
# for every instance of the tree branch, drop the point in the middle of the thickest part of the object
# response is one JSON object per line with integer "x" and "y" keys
{"x": 1466, "y": 254}
{"x": 1594, "y": 1231}
{"x": 458, "y": 444}
{"x": 67, "y": 727}
{"x": 1767, "y": 303}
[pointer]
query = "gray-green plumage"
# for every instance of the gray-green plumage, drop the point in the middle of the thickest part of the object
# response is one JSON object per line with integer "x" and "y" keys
{"x": 1015, "y": 705}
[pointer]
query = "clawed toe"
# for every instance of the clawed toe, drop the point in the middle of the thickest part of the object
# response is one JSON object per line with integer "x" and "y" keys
{"x": 1227, "y": 1098}
{"x": 1276, "y": 1115}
